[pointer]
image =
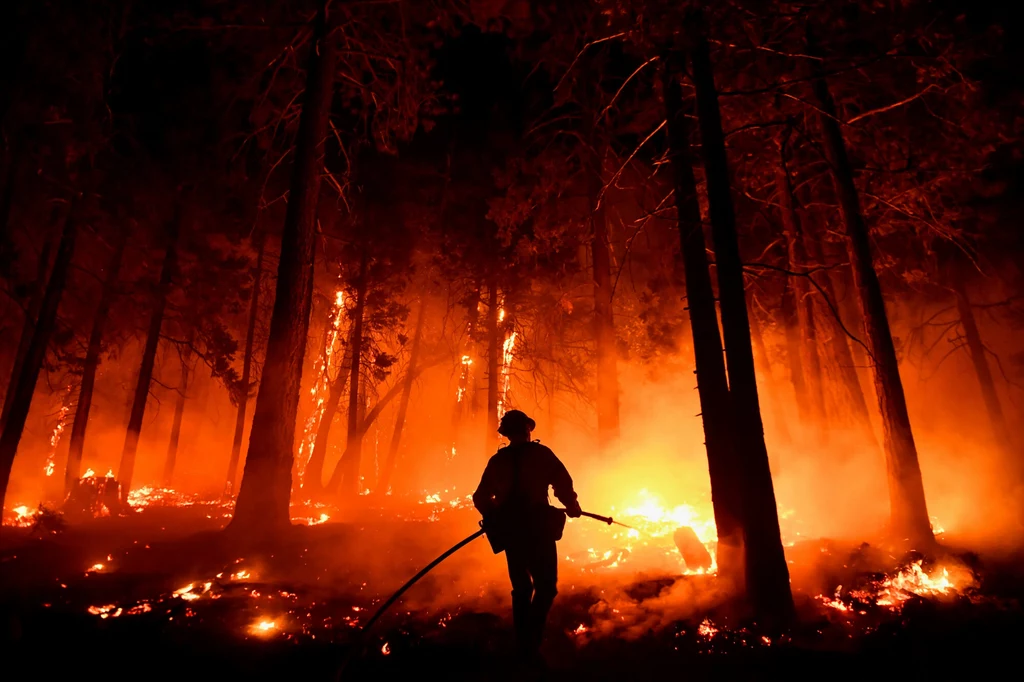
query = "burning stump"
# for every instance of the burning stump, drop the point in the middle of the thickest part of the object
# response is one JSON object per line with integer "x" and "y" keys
{"x": 695, "y": 554}
{"x": 92, "y": 497}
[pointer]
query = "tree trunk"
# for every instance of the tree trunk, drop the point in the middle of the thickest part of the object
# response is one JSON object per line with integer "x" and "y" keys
{"x": 314, "y": 481}
{"x": 179, "y": 412}
{"x": 29, "y": 373}
{"x": 264, "y": 496}
{"x": 712, "y": 388}
{"x": 403, "y": 406}
{"x": 767, "y": 574}
{"x": 35, "y": 303}
{"x": 840, "y": 346}
{"x": 908, "y": 509}
{"x": 494, "y": 342}
{"x": 791, "y": 330}
{"x": 7, "y": 198}
{"x": 354, "y": 441}
{"x": 250, "y": 336}
{"x": 76, "y": 447}
{"x": 980, "y": 360}
{"x": 126, "y": 468}
{"x": 604, "y": 323}
{"x": 778, "y": 415}
{"x": 807, "y": 333}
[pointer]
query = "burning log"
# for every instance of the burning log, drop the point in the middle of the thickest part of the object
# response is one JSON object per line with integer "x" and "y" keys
{"x": 92, "y": 497}
{"x": 695, "y": 554}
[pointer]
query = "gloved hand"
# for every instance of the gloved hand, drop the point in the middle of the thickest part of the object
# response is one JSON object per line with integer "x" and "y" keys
{"x": 573, "y": 511}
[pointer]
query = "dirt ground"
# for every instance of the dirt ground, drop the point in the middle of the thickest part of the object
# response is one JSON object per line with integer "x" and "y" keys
{"x": 108, "y": 600}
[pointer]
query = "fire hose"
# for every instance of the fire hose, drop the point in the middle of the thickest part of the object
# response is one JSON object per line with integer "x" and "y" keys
{"x": 364, "y": 631}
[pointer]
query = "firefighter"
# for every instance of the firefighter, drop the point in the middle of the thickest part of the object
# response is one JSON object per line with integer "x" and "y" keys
{"x": 513, "y": 499}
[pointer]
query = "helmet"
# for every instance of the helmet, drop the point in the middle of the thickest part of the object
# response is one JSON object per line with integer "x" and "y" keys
{"x": 515, "y": 421}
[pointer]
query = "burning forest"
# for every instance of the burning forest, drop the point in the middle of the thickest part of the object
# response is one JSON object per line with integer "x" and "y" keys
{"x": 705, "y": 318}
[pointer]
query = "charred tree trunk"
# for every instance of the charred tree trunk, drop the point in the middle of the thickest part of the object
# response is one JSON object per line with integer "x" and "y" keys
{"x": 264, "y": 496}
{"x": 794, "y": 359}
{"x": 76, "y": 446}
{"x": 778, "y": 416}
{"x": 35, "y": 303}
{"x": 25, "y": 381}
{"x": 807, "y": 333}
{"x": 243, "y": 398}
{"x": 354, "y": 441}
{"x": 126, "y": 468}
{"x": 403, "y": 405}
{"x": 604, "y": 323}
{"x": 906, "y": 489}
{"x": 493, "y": 367}
{"x": 7, "y": 198}
{"x": 179, "y": 412}
{"x": 840, "y": 346}
{"x": 314, "y": 481}
{"x": 712, "y": 387}
{"x": 767, "y": 574}
{"x": 979, "y": 358}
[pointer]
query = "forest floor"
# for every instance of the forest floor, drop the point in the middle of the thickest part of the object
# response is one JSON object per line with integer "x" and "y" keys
{"x": 163, "y": 594}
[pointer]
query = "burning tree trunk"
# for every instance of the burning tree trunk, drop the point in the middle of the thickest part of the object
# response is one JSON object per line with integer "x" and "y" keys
{"x": 767, "y": 574}
{"x": 263, "y": 498}
{"x": 25, "y": 381}
{"x": 354, "y": 441}
{"x": 906, "y": 490}
{"x": 250, "y": 337}
{"x": 403, "y": 406}
{"x": 757, "y": 338}
{"x": 840, "y": 345}
{"x": 807, "y": 333}
{"x": 707, "y": 343}
{"x": 126, "y": 468}
{"x": 604, "y": 323}
{"x": 976, "y": 348}
{"x": 73, "y": 470}
{"x": 179, "y": 412}
{"x": 35, "y": 303}
{"x": 314, "y": 481}
{"x": 493, "y": 368}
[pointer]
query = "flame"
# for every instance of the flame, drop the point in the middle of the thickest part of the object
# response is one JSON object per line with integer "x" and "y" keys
{"x": 58, "y": 431}
{"x": 89, "y": 473}
{"x": 911, "y": 581}
{"x": 707, "y": 629}
{"x": 95, "y": 568}
{"x": 386, "y": 649}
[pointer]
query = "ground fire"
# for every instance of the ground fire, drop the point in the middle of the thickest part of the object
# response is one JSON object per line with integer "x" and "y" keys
{"x": 725, "y": 298}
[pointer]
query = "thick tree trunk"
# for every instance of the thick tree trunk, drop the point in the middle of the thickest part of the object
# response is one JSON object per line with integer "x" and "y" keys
{"x": 126, "y": 468}
{"x": 29, "y": 373}
{"x": 778, "y": 415}
{"x": 264, "y": 496}
{"x": 712, "y": 387}
{"x": 250, "y": 337}
{"x": 767, "y": 574}
{"x": 807, "y": 333}
{"x": 351, "y": 459}
{"x": 314, "y": 481}
{"x": 76, "y": 447}
{"x": 403, "y": 405}
{"x": 494, "y": 342}
{"x": 179, "y": 412}
{"x": 840, "y": 346}
{"x": 35, "y": 303}
{"x": 906, "y": 490}
{"x": 979, "y": 358}
{"x": 604, "y": 323}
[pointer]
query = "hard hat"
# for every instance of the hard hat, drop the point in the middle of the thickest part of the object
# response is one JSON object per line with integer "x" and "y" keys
{"x": 515, "y": 420}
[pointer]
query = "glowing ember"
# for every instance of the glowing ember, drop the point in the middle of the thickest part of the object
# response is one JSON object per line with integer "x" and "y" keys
{"x": 264, "y": 627}
{"x": 707, "y": 629}
{"x": 95, "y": 568}
{"x": 386, "y": 649}
{"x": 580, "y": 629}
